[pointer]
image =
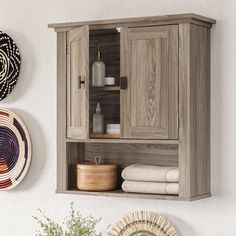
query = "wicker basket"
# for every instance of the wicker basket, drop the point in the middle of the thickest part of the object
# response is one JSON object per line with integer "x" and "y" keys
{"x": 96, "y": 177}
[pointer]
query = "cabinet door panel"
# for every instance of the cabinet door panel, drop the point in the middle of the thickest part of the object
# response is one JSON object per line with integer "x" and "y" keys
{"x": 149, "y": 58}
{"x": 77, "y": 83}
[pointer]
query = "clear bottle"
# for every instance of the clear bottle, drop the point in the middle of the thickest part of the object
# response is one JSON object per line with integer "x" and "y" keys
{"x": 98, "y": 71}
{"x": 98, "y": 121}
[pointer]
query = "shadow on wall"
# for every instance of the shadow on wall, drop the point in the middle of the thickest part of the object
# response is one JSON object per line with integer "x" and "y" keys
{"x": 27, "y": 67}
{"x": 180, "y": 224}
{"x": 217, "y": 108}
{"x": 39, "y": 152}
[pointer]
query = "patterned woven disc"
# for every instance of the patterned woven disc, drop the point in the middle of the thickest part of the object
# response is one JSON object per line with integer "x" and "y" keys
{"x": 143, "y": 223}
{"x": 9, "y": 65}
{"x": 15, "y": 150}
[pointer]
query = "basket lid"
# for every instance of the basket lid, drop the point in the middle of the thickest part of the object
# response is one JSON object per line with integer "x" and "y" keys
{"x": 91, "y": 166}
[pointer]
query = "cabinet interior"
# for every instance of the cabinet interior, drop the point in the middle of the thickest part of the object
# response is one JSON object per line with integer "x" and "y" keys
{"x": 121, "y": 154}
{"x": 109, "y": 96}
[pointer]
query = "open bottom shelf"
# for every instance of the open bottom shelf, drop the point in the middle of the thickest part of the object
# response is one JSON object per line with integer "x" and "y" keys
{"x": 120, "y": 193}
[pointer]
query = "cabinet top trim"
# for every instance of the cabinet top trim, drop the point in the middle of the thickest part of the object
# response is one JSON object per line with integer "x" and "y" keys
{"x": 138, "y": 21}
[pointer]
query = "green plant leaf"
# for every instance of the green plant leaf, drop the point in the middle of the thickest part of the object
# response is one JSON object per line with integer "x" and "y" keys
{"x": 73, "y": 225}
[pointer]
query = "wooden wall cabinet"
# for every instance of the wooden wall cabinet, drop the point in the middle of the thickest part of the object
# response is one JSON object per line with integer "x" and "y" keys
{"x": 162, "y": 100}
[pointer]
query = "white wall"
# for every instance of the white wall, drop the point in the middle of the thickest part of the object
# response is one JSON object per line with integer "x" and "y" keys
{"x": 34, "y": 99}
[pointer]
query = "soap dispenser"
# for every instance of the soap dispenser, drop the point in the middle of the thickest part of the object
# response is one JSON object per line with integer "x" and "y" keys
{"x": 98, "y": 71}
{"x": 98, "y": 121}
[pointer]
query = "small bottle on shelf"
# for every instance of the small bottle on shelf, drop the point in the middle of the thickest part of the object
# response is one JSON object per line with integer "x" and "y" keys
{"x": 98, "y": 71}
{"x": 98, "y": 121}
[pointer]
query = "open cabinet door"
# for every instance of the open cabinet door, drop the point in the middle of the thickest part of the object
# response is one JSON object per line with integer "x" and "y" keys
{"x": 149, "y": 104}
{"x": 78, "y": 83}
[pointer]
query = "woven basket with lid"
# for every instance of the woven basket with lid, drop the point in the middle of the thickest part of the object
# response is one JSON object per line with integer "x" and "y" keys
{"x": 96, "y": 177}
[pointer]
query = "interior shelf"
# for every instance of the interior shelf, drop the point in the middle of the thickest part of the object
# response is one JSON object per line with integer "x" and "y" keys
{"x": 106, "y": 140}
{"x": 104, "y": 136}
{"x": 107, "y": 88}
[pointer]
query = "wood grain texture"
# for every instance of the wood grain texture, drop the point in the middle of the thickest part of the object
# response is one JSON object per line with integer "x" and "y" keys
{"x": 182, "y": 50}
{"x": 139, "y": 21}
{"x": 77, "y": 98}
{"x": 120, "y": 193}
{"x": 124, "y": 68}
{"x": 194, "y": 149}
{"x": 128, "y": 154}
{"x": 104, "y": 136}
{"x": 144, "y": 141}
{"x": 61, "y": 112}
{"x": 110, "y": 104}
{"x": 173, "y": 83}
{"x": 150, "y": 104}
{"x": 75, "y": 155}
{"x": 107, "y": 88}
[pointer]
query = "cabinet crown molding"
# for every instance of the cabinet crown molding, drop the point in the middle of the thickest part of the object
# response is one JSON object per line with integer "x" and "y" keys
{"x": 138, "y": 21}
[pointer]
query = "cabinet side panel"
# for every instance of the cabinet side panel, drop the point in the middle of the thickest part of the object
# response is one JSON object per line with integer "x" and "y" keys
{"x": 184, "y": 106}
{"x": 194, "y": 150}
{"x": 61, "y": 112}
{"x": 200, "y": 113}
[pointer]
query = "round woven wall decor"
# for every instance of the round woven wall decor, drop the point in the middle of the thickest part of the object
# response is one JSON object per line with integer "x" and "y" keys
{"x": 143, "y": 223}
{"x": 9, "y": 65}
{"x": 15, "y": 150}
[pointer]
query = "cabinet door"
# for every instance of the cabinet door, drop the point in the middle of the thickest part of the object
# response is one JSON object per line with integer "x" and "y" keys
{"x": 77, "y": 83}
{"x": 149, "y": 60}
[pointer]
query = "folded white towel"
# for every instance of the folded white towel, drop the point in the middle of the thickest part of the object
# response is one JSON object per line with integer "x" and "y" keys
{"x": 150, "y": 187}
{"x": 151, "y": 173}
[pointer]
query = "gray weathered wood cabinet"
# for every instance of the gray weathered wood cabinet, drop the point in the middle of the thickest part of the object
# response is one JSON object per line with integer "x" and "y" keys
{"x": 161, "y": 98}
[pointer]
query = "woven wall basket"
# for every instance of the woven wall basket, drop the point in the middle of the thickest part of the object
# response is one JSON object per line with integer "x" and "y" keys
{"x": 9, "y": 65}
{"x": 15, "y": 150}
{"x": 143, "y": 223}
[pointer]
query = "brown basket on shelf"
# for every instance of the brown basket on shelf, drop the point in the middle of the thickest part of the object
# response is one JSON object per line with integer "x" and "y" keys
{"x": 97, "y": 177}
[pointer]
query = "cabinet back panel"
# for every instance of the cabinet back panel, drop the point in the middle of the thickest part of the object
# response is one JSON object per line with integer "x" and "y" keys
{"x": 110, "y": 103}
{"x": 128, "y": 154}
{"x": 75, "y": 155}
{"x": 109, "y": 41}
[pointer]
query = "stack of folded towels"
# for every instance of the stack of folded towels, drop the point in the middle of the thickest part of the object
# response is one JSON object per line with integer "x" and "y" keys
{"x": 151, "y": 179}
